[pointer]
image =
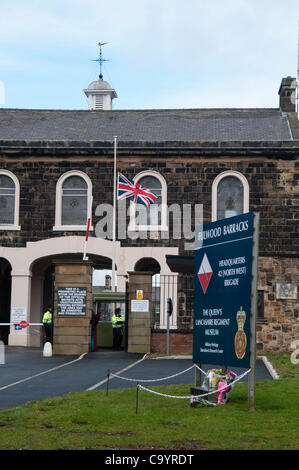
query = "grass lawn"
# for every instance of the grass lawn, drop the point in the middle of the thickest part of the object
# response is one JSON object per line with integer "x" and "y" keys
{"x": 93, "y": 420}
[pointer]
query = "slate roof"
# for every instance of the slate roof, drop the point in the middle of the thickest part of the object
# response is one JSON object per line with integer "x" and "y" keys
{"x": 186, "y": 125}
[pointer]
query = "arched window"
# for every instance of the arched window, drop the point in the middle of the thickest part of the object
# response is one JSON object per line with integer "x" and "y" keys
{"x": 73, "y": 198}
{"x": 154, "y": 217}
{"x": 9, "y": 201}
{"x": 74, "y": 201}
{"x": 230, "y": 195}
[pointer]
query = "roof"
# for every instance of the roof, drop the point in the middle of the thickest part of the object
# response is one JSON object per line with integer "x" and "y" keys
{"x": 180, "y": 263}
{"x": 177, "y": 125}
{"x": 99, "y": 85}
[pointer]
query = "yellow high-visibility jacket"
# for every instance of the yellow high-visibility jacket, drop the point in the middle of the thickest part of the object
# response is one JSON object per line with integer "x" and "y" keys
{"x": 117, "y": 322}
{"x": 47, "y": 318}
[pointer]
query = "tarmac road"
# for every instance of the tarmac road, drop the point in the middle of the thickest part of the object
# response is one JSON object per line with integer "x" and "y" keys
{"x": 26, "y": 375}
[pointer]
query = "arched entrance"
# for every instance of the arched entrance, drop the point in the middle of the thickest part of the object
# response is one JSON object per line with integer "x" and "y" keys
{"x": 32, "y": 273}
{"x": 147, "y": 264}
{"x": 5, "y": 295}
{"x": 43, "y": 286}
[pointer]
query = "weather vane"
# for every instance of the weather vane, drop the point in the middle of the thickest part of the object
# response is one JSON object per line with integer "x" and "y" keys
{"x": 100, "y": 59}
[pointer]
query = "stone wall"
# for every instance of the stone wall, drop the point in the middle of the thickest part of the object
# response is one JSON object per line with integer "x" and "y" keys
{"x": 72, "y": 333}
{"x": 189, "y": 173}
{"x": 280, "y": 323}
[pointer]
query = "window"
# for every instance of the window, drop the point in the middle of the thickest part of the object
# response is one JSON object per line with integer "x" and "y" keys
{"x": 73, "y": 199}
{"x": 9, "y": 201}
{"x": 99, "y": 104}
{"x": 154, "y": 217}
{"x": 230, "y": 195}
{"x": 260, "y": 305}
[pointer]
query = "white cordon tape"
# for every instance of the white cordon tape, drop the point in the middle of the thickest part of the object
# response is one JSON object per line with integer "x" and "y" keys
{"x": 152, "y": 380}
{"x": 197, "y": 367}
{"x": 195, "y": 396}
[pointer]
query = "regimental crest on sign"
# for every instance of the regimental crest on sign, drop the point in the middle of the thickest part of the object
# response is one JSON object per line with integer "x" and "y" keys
{"x": 240, "y": 337}
{"x": 205, "y": 273}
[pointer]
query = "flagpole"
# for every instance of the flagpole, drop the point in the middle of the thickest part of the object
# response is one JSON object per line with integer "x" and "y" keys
{"x": 114, "y": 217}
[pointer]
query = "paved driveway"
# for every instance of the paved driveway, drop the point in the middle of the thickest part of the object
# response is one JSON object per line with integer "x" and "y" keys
{"x": 27, "y": 375}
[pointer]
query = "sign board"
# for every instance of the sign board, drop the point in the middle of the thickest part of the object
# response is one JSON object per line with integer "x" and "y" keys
{"x": 139, "y": 294}
{"x": 139, "y": 305}
{"x": 71, "y": 301}
{"x": 18, "y": 314}
{"x": 286, "y": 291}
{"x": 222, "y": 292}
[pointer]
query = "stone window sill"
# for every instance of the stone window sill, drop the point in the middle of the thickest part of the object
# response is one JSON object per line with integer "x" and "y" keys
{"x": 71, "y": 228}
{"x": 10, "y": 227}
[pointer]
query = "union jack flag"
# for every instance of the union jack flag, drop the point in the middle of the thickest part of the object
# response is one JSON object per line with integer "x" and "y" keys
{"x": 127, "y": 189}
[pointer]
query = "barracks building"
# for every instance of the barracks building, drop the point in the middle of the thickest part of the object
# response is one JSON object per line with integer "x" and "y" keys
{"x": 55, "y": 163}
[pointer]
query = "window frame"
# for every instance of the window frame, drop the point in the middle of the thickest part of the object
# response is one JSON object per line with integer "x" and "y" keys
{"x": 15, "y": 225}
{"x": 260, "y": 317}
{"x": 217, "y": 180}
{"x": 58, "y": 204}
{"x": 163, "y": 227}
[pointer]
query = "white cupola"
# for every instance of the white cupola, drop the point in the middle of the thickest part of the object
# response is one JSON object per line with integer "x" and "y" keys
{"x": 100, "y": 95}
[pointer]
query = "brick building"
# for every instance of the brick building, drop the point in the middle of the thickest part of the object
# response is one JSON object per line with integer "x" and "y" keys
{"x": 53, "y": 163}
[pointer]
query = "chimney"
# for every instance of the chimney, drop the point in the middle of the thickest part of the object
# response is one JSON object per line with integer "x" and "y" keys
{"x": 287, "y": 95}
{"x": 107, "y": 282}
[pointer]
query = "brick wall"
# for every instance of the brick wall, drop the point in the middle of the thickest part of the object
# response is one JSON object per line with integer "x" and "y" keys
{"x": 180, "y": 342}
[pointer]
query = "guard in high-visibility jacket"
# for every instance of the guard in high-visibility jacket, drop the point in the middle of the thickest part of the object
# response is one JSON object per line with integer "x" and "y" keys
{"x": 48, "y": 324}
{"x": 117, "y": 327}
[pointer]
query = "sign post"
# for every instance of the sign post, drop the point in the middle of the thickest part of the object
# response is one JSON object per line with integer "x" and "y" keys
{"x": 169, "y": 312}
{"x": 255, "y": 254}
{"x": 225, "y": 294}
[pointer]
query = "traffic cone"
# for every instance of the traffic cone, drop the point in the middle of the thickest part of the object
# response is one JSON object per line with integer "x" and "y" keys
{"x": 47, "y": 349}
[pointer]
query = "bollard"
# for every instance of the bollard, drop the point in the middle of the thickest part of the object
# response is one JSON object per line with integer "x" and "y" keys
{"x": 2, "y": 353}
{"x": 47, "y": 352}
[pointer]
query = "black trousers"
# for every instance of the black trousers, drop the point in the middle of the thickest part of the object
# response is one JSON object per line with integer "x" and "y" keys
{"x": 117, "y": 337}
{"x": 48, "y": 331}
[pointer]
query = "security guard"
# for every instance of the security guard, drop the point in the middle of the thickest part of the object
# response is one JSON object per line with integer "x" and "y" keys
{"x": 47, "y": 321}
{"x": 117, "y": 327}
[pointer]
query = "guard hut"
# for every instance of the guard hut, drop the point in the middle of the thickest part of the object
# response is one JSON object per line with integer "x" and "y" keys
{"x": 104, "y": 304}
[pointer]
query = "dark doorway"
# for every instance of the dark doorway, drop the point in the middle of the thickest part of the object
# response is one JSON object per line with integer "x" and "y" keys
{"x": 48, "y": 291}
{"x": 5, "y": 298}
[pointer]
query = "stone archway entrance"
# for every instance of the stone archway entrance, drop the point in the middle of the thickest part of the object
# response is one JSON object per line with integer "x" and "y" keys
{"x": 60, "y": 281}
{"x": 32, "y": 273}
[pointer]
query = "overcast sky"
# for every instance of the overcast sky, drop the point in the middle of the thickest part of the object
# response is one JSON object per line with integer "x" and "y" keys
{"x": 162, "y": 53}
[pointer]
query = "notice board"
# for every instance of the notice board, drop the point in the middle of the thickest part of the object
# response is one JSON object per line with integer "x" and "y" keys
{"x": 222, "y": 292}
{"x": 71, "y": 301}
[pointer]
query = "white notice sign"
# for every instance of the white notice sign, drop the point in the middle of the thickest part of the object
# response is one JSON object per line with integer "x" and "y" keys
{"x": 139, "y": 305}
{"x": 18, "y": 314}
